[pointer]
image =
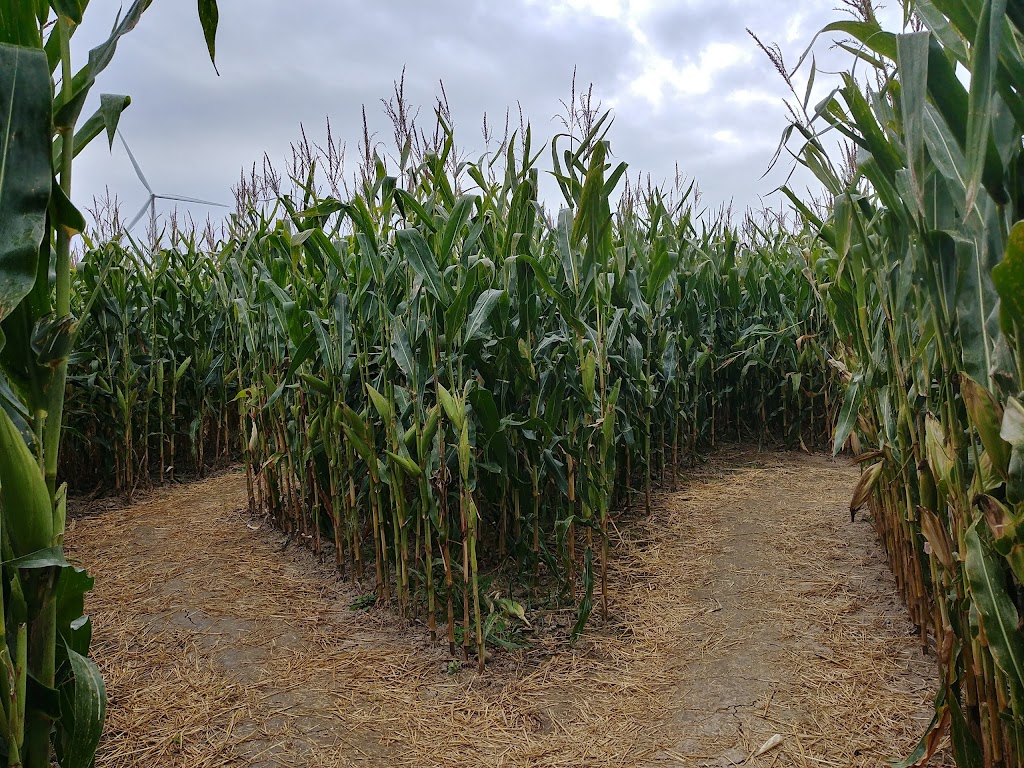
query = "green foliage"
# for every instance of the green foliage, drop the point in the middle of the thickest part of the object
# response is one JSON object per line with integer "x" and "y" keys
{"x": 921, "y": 283}
{"x": 52, "y": 699}
{"x": 364, "y": 602}
{"x": 25, "y": 173}
{"x": 435, "y": 376}
{"x": 152, "y": 395}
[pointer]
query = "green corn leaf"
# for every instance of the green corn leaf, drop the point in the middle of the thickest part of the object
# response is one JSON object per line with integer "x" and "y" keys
{"x": 456, "y": 313}
{"x": 19, "y": 25}
{"x": 72, "y": 9}
{"x": 83, "y": 706}
{"x": 401, "y": 350}
{"x": 404, "y": 200}
{"x": 52, "y": 340}
{"x": 325, "y": 346}
{"x": 63, "y": 212}
{"x": 952, "y": 102}
{"x": 44, "y": 558}
{"x": 540, "y": 274}
{"x": 209, "y": 17}
{"x": 105, "y": 118}
{"x": 872, "y": 138}
{"x": 303, "y": 353}
{"x": 947, "y": 155}
{"x": 380, "y": 403}
{"x": 72, "y": 625}
{"x": 912, "y": 57}
{"x": 870, "y": 34}
{"x": 984, "y": 62}
{"x": 25, "y": 175}
{"x": 68, "y": 106}
{"x": 987, "y": 578}
{"x": 1008, "y": 277}
{"x": 486, "y": 410}
{"x": 456, "y": 221}
{"x": 479, "y": 317}
{"x": 27, "y": 513}
{"x": 587, "y": 603}
{"x": 847, "y": 415}
{"x": 419, "y": 257}
{"x": 965, "y": 747}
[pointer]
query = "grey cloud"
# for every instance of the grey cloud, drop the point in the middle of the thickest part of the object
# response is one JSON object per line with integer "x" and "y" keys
{"x": 680, "y": 30}
{"x": 283, "y": 64}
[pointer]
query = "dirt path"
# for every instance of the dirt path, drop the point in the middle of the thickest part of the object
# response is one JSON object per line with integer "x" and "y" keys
{"x": 746, "y": 606}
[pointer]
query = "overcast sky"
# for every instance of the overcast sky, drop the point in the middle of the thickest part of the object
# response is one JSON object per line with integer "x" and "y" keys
{"x": 687, "y": 85}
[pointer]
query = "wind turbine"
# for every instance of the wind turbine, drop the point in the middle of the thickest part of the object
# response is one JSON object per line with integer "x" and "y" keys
{"x": 153, "y": 196}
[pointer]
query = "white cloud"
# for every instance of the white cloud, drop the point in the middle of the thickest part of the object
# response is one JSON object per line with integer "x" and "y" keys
{"x": 727, "y": 136}
{"x": 609, "y": 9}
{"x": 747, "y": 96}
{"x": 662, "y": 78}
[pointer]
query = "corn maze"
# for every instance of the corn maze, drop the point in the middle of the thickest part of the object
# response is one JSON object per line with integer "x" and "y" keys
{"x": 442, "y": 380}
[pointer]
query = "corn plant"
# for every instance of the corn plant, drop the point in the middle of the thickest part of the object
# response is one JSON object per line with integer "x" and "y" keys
{"x": 439, "y": 376}
{"x": 922, "y": 282}
{"x": 51, "y": 694}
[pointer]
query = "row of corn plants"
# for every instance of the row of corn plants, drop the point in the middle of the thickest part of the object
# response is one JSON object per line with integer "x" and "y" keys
{"x": 435, "y": 377}
{"x": 923, "y": 279}
{"x": 150, "y": 396}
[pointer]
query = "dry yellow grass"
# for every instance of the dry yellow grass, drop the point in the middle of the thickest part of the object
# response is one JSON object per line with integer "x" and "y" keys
{"x": 746, "y": 607}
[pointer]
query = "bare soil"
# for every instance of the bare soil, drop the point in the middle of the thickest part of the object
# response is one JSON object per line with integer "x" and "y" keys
{"x": 746, "y": 610}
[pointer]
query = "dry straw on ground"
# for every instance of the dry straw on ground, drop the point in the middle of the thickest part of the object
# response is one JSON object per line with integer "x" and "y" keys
{"x": 748, "y": 613}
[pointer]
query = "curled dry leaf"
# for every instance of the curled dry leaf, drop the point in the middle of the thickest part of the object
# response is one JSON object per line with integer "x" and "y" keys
{"x": 938, "y": 540}
{"x": 866, "y": 484}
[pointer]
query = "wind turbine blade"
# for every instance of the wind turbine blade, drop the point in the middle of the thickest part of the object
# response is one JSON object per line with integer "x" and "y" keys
{"x": 190, "y": 200}
{"x": 142, "y": 212}
{"x": 135, "y": 163}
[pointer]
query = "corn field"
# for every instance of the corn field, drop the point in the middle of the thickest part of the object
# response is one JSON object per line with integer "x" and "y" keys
{"x": 149, "y": 390}
{"x": 922, "y": 278}
{"x": 434, "y": 379}
{"x": 443, "y": 382}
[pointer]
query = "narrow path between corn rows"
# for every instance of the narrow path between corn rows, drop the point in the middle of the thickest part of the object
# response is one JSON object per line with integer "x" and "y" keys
{"x": 746, "y": 609}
